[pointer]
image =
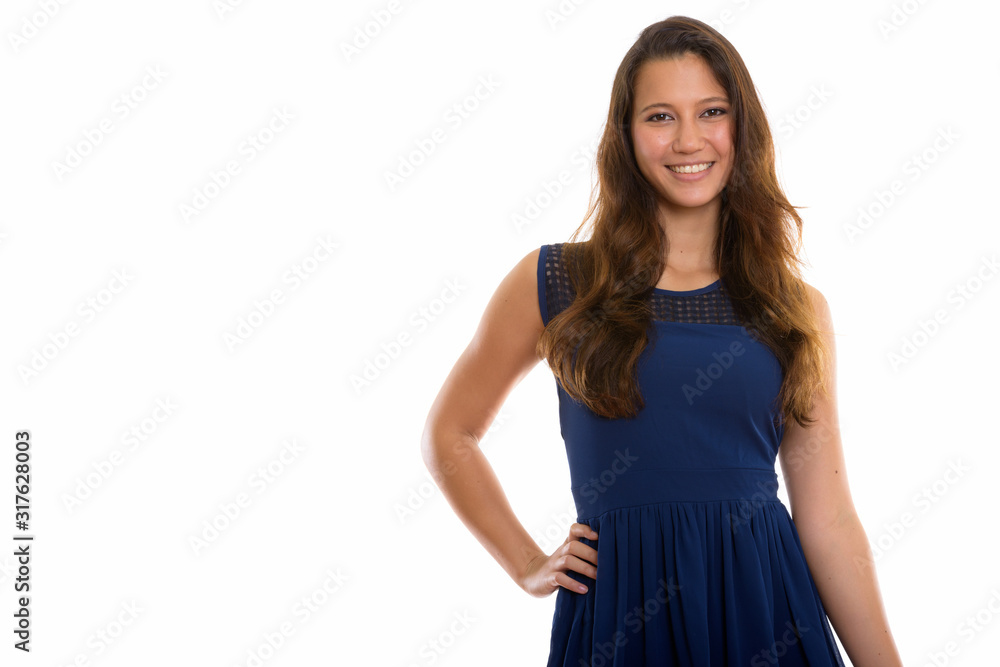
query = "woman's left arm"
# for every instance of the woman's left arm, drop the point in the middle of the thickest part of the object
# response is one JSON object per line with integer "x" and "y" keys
{"x": 833, "y": 539}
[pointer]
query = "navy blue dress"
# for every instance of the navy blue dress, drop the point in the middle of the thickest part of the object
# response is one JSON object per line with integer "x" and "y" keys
{"x": 699, "y": 562}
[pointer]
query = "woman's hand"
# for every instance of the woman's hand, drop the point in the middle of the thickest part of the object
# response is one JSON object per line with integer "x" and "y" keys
{"x": 544, "y": 574}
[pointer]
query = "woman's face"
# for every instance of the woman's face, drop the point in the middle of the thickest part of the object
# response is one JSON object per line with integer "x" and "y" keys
{"x": 682, "y": 117}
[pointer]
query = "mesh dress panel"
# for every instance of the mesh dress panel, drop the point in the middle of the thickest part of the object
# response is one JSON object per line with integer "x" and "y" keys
{"x": 704, "y": 307}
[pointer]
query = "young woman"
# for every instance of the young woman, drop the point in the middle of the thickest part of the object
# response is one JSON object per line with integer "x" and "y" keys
{"x": 688, "y": 355}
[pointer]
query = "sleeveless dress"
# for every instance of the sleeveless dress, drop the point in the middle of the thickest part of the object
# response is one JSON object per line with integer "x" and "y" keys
{"x": 699, "y": 562}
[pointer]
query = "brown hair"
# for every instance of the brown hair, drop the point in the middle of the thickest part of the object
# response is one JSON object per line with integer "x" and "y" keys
{"x": 593, "y": 345}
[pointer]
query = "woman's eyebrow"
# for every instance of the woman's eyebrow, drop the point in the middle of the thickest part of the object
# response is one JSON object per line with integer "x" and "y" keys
{"x": 699, "y": 102}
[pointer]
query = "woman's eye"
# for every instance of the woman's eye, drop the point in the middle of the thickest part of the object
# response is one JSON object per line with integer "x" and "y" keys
{"x": 719, "y": 112}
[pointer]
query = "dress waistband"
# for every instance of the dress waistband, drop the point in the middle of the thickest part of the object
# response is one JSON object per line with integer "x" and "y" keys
{"x": 643, "y": 486}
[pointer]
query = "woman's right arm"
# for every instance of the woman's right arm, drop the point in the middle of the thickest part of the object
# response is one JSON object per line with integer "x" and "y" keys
{"x": 501, "y": 353}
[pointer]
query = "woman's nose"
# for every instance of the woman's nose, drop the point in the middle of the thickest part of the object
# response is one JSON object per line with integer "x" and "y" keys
{"x": 688, "y": 138}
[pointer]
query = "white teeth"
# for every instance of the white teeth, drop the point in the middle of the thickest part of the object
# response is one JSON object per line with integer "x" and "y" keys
{"x": 692, "y": 169}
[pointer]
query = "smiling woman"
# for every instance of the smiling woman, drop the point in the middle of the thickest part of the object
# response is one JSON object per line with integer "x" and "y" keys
{"x": 688, "y": 355}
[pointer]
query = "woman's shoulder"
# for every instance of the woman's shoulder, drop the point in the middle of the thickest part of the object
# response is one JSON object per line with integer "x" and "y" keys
{"x": 815, "y": 295}
{"x": 820, "y": 305}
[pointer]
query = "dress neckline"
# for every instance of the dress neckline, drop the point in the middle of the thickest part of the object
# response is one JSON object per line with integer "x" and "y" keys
{"x": 690, "y": 292}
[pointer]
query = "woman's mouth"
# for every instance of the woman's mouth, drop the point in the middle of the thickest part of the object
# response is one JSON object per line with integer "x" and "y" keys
{"x": 691, "y": 169}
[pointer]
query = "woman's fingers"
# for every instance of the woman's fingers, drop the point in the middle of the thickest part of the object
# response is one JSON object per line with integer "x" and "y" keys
{"x": 578, "y": 565}
{"x": 576, "y": 557}
{"x": 578, "y": 530}
{"x": 570, "y": 583}
{"x": 552, "y": 571}
{"x": 582, "y": 530}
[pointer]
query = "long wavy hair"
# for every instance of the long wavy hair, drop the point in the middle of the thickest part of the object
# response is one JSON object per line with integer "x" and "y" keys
{"x": 593, "y": 345}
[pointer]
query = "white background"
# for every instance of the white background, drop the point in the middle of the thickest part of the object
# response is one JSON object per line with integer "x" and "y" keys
{"x": 331, "y": 515}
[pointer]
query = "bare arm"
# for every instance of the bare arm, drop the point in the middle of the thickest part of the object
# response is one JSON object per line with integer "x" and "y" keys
{"x": 833, "y": 539}
{"x": 501, "y": 353}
